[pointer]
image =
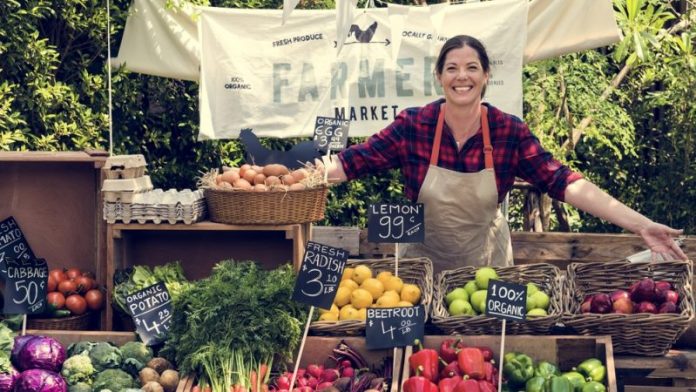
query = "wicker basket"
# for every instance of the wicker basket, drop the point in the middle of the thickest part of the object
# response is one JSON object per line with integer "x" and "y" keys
{"x": 273, "y": 207}
{"x": 418, "y": 271}
{"x": 83, "y": 322}
{"x": 643, "y": 333}
{"x": 546, "y": 276}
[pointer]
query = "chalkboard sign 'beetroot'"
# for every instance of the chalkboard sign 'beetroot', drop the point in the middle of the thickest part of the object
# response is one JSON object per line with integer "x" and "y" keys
{"x": 394, "y": 327}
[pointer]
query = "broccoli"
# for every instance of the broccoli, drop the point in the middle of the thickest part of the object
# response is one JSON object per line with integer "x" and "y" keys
{"x": 138, "y": 351}
{"x": 80, "y": 387}
{"x": 114, "y": 380}
{"x": 105, "y": 356}
{"x": 79, "y": 348}
{"x": 78, "y": 369}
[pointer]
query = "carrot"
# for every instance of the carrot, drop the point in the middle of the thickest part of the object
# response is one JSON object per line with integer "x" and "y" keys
{"x": 236, "y": 388}
{"x": 196, "y": 389}
{"x": 207, "y": 389}
{"x": 263, "y": 371}
{"x": 253, "y": 379}
{"x": 264, "y": 387}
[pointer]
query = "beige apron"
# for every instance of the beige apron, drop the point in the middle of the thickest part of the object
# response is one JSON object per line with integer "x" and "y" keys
{"x": 463, "y": 224}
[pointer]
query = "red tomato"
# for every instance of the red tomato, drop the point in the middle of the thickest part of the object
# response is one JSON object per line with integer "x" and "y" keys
{"x": 58, "y": 275}
{"x": 52, "y": 283}
{"x": 56, "y": 300}
{"x": 84, "y": 284}
{"x": 73, "y": 273}
{"x": 95, "y": 299}
{"x": 67, "y": 287}
{"x": 76, "y": 304}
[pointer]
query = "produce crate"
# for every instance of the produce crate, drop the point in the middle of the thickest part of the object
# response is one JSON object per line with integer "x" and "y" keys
{"x": 546, "y": 276}
{"x": 418, "y": 271}
{"x": 564, "y": 351}
{"x": 642, "y": 333}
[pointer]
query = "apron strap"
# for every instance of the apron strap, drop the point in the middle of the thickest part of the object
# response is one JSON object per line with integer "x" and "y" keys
{"x": 487, "y": 147}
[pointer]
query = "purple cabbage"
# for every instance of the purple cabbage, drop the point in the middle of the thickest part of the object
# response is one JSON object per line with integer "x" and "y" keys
{"x": 41, "y": 353}
{"x": 39, "y": 380}
{"x": 9, "y": 380}
{"x": 19, "y": 342}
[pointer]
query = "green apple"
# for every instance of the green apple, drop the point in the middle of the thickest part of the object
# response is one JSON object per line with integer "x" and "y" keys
{"x": 459, "y": 307}
{"x": 478, "y": 298}
{"x": 470, "y": 287}
{"x": 541, "y": 300}
{"x": 537, "y": 313}
{"x": 483, "y": 275}
{"x": 532, "y": 288}
{"x": 531, "y": 303}
{"x": 458, "y": 293}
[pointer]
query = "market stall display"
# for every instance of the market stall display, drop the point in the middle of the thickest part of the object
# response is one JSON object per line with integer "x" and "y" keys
{"x": 644, "y": 333}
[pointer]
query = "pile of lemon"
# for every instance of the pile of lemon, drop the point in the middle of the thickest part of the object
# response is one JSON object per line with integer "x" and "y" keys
{"x": 359, "y": 290}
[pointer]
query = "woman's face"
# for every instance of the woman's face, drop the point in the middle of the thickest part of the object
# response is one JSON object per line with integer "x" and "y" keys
{"x": 463, "y": 77}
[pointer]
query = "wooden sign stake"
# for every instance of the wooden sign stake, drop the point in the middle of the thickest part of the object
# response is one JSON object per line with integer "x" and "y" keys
{"x": 502, "y": 354}
{"x": 299, "y": 354}
{"x": 396, "y": 259}
{"x": 24, "y": 324}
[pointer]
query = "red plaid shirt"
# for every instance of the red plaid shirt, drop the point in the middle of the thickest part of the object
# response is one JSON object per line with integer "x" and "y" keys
{"x": 407, "y": 143}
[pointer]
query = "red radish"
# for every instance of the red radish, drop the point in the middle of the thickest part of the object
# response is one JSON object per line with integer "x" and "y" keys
{"x": 283, "y": 382}
{"x": 329, "y": 375}
{"x": 324, "y": 385}
{"x": 314, "y": 370}
{"x": 347, "y": 372}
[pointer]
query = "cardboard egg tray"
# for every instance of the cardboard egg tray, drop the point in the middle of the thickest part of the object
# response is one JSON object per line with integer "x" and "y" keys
{"x": 158, "y": 206}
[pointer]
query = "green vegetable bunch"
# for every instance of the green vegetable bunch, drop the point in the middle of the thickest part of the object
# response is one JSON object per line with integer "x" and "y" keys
{"x": 6, "y": 343}
{"x": 240, "y": 310}
{"x": 140, "y": 276}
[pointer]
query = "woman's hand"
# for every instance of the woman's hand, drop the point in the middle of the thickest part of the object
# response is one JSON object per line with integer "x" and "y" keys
{"x": 660, "y": 240}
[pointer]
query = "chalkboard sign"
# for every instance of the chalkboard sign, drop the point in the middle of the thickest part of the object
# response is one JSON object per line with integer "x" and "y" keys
{"x": 320, "y": 275}
{"x": 506, "y": 300}
{"x": 394, "y": 327}
{"x": 330, "y": 134}
{"x": 395, "y": 223}
{"x": 151, "y": 309}
{"x": 25, "y": 285}
{"x": 12, "y": 242}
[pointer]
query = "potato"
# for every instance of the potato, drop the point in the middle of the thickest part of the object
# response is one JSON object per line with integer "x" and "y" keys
{"x": 275, "y": 169}
{"x": 249, "y": 175}
{"x": 297, "y": 187}
{"x": 159, "y": 364}
{"x": 169, "y": 380}
{"x": 229, "y": 176}
{"x": 153, "y": 387}
{"x": 242, "y": 184}
{"x": 260, "y": 179}
{"x": 147, "y": 375}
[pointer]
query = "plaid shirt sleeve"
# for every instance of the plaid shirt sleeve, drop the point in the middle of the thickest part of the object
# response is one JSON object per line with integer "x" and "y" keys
{"x": 538, "y": 167}
{"x": 381, "y": 151}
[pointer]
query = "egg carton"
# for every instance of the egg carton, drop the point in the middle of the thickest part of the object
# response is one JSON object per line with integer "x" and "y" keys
{"x": 158, "y": 206}
{"x": 125, "y": 190}
{"x": 124, "y": 166}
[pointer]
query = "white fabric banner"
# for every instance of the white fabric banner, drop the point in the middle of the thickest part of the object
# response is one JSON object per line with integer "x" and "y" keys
{"x": 277, "y": 79}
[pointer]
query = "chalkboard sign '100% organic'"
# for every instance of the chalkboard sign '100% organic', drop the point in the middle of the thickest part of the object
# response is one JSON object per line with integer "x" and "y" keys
{"x": 506, "y": 300}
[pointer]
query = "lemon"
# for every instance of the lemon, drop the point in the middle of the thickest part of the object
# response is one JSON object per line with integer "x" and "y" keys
{"x": 411, "y": 293}
{"x": 394, "y": 283}
{"x": 361, "y": 273}
{"x": 334, "y": 309}
{"x": 404, "y": 304}
{"x": 348, "y": 312}
{"x": 360, "y": 298}
{"x": 374, "y": 286}
{"x": 388, "y": 300}
{"x": 329, "y": 316}
{"x": 362, "y": 314}
{"x": 342, "y": 296}
{"x": 347, "y": 273}
{"x": 350, "y": 283}
{"x": 383, "y": 276}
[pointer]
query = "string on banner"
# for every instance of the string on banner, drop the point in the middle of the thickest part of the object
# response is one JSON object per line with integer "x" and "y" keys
{"x": 108, "y": 76}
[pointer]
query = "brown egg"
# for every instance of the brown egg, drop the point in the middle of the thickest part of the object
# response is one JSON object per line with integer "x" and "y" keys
{"x": 259, "y": 179}
{"x": 297, "y": 187}
{"x": 230, "y": 176}
{"x": 224, "y": 185}
{"x": 243, "y": 169}
{"x": 257, "y": 168}
{"x": 260, "y": 188}
{"x": 288, "y": 179}
{"x": 249, "y": 175}
{"x": 300, "y": 174}
{"x": 272, "y": 180}
{"x": 218, "y": 178}
{"x": 242, "y": 184}
{"x": 279, "y": 187}
{"x": 275, "y": 170}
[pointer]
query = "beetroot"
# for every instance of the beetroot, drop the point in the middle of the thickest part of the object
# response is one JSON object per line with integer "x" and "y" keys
{"x": 601, "y": 303}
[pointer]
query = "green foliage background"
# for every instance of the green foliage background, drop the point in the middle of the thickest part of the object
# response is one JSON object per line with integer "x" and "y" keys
{"x": 639, "y": 146}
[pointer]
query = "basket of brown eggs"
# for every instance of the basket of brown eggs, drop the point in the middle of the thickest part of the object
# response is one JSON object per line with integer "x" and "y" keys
{"x": 270, "y": 194}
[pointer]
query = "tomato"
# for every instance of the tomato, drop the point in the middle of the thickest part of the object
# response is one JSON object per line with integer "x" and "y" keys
{"x": 58, "y": 275}
{"x": 76, "y": 304}
{"x": 73, "y": 273}
{"x": 95, "y": 299}
{"x": 56, "y": 300}
{"x": 84, "y": 284}
{"x": 67, "y": 287}
{"x": 52, "y": 284}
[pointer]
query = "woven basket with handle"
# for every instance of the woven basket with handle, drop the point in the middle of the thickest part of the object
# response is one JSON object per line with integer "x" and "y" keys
{"x": 418, "y": 271}
{"x": 640, "y": 333}
{"x": 546, "y": 276}
{"x": 82, "y": 322}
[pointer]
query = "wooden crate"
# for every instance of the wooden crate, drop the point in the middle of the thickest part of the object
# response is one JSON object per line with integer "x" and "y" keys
{"x": 564, "y": 351}
{"x": 674, "y": 372}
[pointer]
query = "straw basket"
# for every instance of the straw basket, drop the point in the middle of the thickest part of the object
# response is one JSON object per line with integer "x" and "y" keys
{"x": 82, "y": 322}
{"x": 418, "y": 271}
{"x": 642, "y": 333}
{"x": 546, "y": 276}
{"x": 272, "y": 207}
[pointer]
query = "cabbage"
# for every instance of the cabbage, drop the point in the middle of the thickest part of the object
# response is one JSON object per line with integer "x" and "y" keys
{"x": 39, "y": 380}
{"x": 8, "y": 380}
{"x": 19, "y": 342}
{"x": 42, "y": 353}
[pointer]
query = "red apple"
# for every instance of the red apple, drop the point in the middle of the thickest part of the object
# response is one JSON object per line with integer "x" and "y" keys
{"x": 585, "y": 307}
{"x": 663, "y": 285}
{"x": 618, "y": 294}
{"x": 668, "y": 307}
{"x": 601, "y": 303}
{"x": 643, "y": 291}
{"x": 623, "y": 305}
{"x": 646, "y": 307}
{"x": 670, "y": 296}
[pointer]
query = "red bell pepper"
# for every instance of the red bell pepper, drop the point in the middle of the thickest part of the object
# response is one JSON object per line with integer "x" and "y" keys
{"x": 470, "y": 360}
{"x": 449, "y": 348}
{"x": 487, "y": 353}
{"x": 467, "y": 385}
{"x": 419, "y": 384}
{"x": 485, "y": 386}
{"x": 491, "y": 373}
{"x": 426, "y": 358}
{"x": 450, "y": 370}
{"x": 448, "y": 384}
